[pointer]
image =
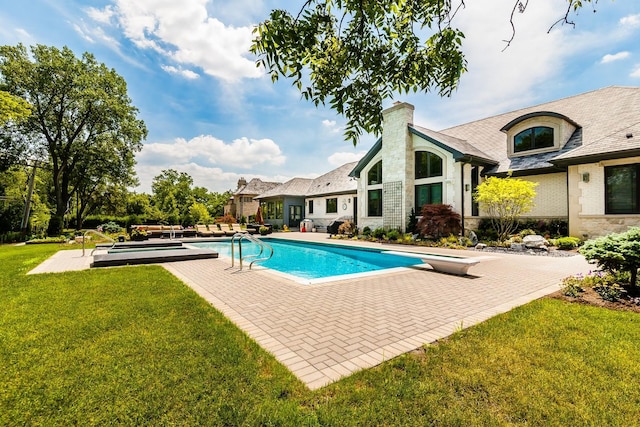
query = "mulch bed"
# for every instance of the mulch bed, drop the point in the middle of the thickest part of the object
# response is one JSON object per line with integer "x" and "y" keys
{"x": 591, "y": 297}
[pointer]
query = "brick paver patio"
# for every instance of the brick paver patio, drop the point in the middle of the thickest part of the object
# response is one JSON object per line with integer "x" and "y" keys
{"x": 323, "y": 332}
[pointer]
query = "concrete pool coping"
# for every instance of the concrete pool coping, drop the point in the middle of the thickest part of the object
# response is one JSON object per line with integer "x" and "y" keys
{"x": 323, "y": 332}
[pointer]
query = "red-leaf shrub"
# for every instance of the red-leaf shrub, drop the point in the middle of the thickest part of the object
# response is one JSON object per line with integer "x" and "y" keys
{"x": 438, "y": 220}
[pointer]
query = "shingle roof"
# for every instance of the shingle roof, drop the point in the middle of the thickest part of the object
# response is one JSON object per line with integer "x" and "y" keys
{"x": 600, "y": 114}
{"x": 337, "y": 181}
{"x": 256, "y": 186}
{"x": 458, "y": 147}
{"x": 293, "y": 187}
{"x": 623, "y": 142}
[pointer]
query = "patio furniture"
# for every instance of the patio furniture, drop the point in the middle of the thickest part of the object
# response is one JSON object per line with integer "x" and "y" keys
{"x": 237, "y": 229}
{"x": 203, "y": 231}
{"x": 216, "y": 230}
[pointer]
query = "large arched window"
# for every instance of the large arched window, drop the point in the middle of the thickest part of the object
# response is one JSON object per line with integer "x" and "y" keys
{"x": 374, "y": 176}
{"x": 533, "y": 139}
{"x": 428, "y": 165}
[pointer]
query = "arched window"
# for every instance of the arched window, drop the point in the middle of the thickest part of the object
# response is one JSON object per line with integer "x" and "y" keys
{"x": 374, "y": 176}
{"x": 533, "y": 139}
{"x": 428, "y": 165}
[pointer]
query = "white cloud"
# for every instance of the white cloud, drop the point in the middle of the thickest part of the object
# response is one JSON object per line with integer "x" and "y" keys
{"x": 340, "y": 158}
{"x": 188, "y": 74}
{"x": 212, "y": 178}
{"x": 636, "y": 72}
{"x": 632, "y": 21}
{"x": 331, "y": 126}
{"x": 241, "y": 153}
{"x": 614, "y": 57}
{"x": 185, "y": 33}
{"x": 510, "y": 73}
{"x": 100, "y": 15}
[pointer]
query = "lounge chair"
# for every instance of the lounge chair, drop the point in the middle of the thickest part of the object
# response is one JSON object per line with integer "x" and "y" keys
{"x": 203, "y": 231}
{"x": 236, "y": 228}
{"x": 217, "y": 232}
{"x": 226, "y": 228}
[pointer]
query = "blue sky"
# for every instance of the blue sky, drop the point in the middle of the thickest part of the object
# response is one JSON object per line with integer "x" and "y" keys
{"x": 212, "y": 114}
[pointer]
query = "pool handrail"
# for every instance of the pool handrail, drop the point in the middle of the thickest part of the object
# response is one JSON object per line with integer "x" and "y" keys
{"x": 256, "y": 258}
{"x": 84, "y": 237}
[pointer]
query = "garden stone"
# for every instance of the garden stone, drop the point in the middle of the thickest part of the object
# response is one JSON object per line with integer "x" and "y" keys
{"x": 480, "y": 246}
{"x": 535, "y": 241}
{"x": 474, "y": 238}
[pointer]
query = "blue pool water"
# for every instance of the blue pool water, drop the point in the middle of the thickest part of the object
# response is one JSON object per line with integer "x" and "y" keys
{"x": 313, "y": 260}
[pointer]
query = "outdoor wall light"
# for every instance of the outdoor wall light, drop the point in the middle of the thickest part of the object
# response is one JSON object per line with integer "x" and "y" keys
{"x": 585, "y": 177}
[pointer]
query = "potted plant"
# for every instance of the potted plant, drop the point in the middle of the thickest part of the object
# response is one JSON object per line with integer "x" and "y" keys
{"x": 138, "y": 234}
{"x": 263, "y": 230}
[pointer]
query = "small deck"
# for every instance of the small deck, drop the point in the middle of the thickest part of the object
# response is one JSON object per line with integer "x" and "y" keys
{"x": 141, "y": 244}
{"x": 151, "y": 257}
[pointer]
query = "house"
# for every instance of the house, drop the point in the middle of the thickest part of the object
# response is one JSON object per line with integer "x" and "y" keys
{"x": 583, "y": 151}
{"x": 242, "y": 202}
{"x": 284, "y": 204}
{"x": 332, "y": 196}
{"x": 322, "y": 200}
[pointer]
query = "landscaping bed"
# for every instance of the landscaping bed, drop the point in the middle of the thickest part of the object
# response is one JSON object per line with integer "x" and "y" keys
{"x": 590, "y": 297}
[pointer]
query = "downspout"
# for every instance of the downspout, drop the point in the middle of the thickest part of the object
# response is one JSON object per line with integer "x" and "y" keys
{"x": 462, "y": 196}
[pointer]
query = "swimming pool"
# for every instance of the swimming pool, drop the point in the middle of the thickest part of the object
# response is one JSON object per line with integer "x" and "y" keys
{"x": 316, "y": 262}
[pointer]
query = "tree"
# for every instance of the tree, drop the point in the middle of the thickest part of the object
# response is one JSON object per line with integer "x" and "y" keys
{"x": 354, "y": 55}
{"x": 172, "y": 194}
{"x": 504, "y": 200}
{"x": 12, "y": 107}
{"x": 13, "y": 189}
{"x": 82, "y": 120}
{"x": 199, "y": 213}
{"x": 13, "y": 110}
{"x": 616, "y": 252}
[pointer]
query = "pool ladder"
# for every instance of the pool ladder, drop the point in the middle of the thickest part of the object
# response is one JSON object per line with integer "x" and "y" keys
{"x": 84, "y": 238}
{"x": 256, "y": 257}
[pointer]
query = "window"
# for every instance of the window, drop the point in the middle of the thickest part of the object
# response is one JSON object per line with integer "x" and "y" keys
{"x": 374, "y": 202}
{"x": 427, "y": 194}
{"x": 268, "y": 210}
{"x": 622, "y": 184}
{"x": 374, "y": 176}
{"x": 428, "y": 165}
{"x": 272, "y": 209}
{"x": 310, "y": 206}
{"x": 332, "y": 205}
{"x": 533, "y": 139}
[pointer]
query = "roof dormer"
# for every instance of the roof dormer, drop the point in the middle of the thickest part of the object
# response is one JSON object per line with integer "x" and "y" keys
{"x": 539, "y": 132}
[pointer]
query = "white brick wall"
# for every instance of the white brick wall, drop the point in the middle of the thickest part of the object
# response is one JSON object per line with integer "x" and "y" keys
{"x": 551, "y": 195}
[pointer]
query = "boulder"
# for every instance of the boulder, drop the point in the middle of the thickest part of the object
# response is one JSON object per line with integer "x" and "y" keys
{"x": 535, "y": 241}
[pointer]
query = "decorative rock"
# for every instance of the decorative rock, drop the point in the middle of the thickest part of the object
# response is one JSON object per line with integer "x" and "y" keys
{"x": 518, "y": 246}
{"x": 480, "y": 246}
{"x": 535, "y": 241}
{"x": 474, "y": 238}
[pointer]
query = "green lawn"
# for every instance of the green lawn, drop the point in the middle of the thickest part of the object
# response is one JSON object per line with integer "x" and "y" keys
{"x": 135, "y": 346}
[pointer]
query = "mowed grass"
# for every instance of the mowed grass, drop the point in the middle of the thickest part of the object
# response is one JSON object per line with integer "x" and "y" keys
{"x": 135, "y": 346}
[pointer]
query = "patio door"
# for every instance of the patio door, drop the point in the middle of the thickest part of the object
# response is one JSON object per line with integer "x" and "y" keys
{"x": 295, "y": 215}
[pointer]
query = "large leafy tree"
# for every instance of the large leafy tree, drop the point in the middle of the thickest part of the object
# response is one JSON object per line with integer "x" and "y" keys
{"x": 83, "y": 121}
{"x": 172, "y": 194}
{"x": 13, "y": 110}
{"x": 355, "y": 54}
